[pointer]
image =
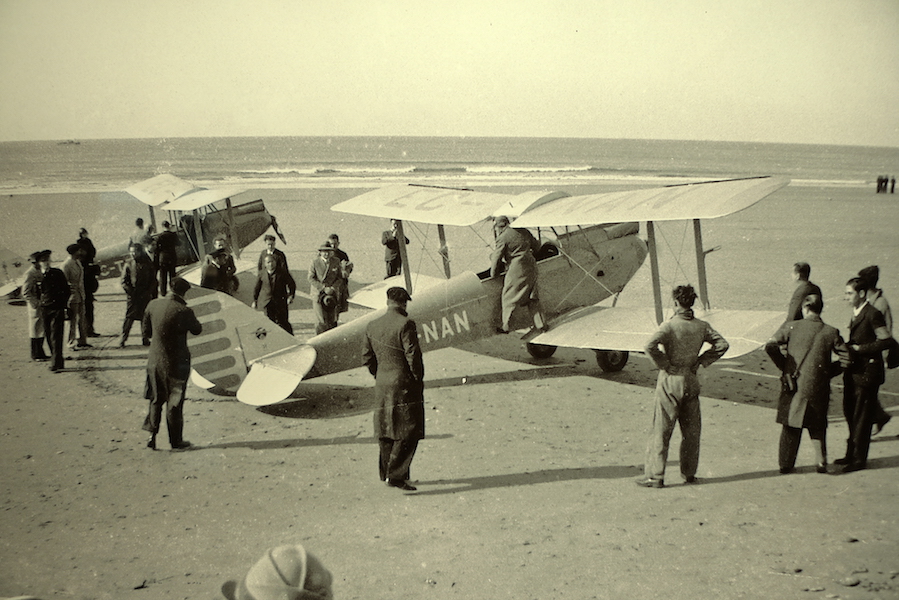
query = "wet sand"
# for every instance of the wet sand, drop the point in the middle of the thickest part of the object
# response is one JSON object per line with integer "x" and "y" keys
{"x": 525, "y": 480}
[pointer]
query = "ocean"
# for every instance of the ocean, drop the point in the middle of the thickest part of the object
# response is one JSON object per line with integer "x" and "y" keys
{"x": 98, "y": 165}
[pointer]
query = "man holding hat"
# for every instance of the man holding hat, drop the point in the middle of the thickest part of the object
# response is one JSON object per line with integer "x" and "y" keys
{"x": 325, "y": 276}
{"x": 54, "y": 302}
{"x": 393, "y": 355}
{"x": 31, "y": 290}
{"x": 167, "y": 321}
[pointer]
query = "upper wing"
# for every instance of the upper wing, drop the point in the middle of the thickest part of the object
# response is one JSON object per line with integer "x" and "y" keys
{"x": 173, "y": 193}
{"x": 447, "y": 206}
{"x": 432, "y": 205}
{"x": 691, "y": 201}
{"x": 619, "y": 328}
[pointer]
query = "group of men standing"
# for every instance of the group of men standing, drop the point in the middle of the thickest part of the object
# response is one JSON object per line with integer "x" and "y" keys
{"x": 806, "y": 350}
{"x": 54, "y": 295}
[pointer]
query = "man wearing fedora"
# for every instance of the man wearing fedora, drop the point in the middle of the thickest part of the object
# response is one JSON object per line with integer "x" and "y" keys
{"x": 325, "y": 276}
{"x": 393, "y": 355}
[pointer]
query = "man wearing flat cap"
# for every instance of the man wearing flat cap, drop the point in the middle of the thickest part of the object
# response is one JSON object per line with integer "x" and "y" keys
{"x": 167, "y": 321}
{"x": 325, "y": 276}
{"x": 393, "y": 355}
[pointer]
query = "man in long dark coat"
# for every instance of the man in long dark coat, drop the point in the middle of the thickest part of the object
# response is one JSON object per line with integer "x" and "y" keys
{"x": 54, "y": 296}
{"x": 139, "y": 283}
{"x": 393, "y": 355}
{"x": 274, "y": 292}
{"x": 91, "y": 285}
{"x": 168, "y": 321}
{"x": 31, "y": 291}
{"x": 166, "y": 256}
{"x": 809, "y": 344}
{"x": 515, "y": 249}
{"x": 868, "y": 338}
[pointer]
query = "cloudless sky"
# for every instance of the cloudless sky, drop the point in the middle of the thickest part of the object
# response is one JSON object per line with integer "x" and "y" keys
{"x": 803, "y": 71}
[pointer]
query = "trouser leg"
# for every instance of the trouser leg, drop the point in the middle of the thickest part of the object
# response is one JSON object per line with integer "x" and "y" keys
{"x": 849, "y": 401}
{"x": 126, "y": 330}
{"x": 690, "y": 420}
{"x": 54, "y": 324}
{"x": 663, "y": 420}
{"x": 789, "y": 447}
{"x": 863, "y": 420}
{"x": 396, "y": 458}
{"x": 89, "y": 314}
{"x": 174, "y": 415}
{"x": 819, "y": 445}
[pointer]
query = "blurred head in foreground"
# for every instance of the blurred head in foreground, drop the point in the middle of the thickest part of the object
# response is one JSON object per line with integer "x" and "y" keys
{"x": 283, "y": 573}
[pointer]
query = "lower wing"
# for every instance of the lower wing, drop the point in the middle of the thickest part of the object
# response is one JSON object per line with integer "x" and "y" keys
{"x": 628, "y": 329}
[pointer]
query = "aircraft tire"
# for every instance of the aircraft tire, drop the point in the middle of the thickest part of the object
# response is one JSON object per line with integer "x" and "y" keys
{"x": 540, "y": 350}
{"x": 611, "y": 361}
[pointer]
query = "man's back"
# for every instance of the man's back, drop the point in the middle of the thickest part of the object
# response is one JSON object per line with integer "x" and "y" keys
{"x": 682, "y": 337}
{"x": 169, "y": 320}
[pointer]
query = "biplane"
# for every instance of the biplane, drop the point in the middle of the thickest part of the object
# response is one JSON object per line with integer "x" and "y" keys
{"x": 591, "y": 248}
{"x": 198, "y": 216}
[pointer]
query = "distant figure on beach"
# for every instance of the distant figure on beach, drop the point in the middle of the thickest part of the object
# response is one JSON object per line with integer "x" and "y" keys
{"x": 166, "y": 257}
{"x": 393, "y": 356}
{"x": 802, "y": 350}
{"x": 270, "y": 250}
{"x": 274, "y": 292}
{"x": 325, "y": 277}
{"x": 54, "y": 295}
{"x": 674, "y": 348}
{"x": 283, "y": 572}
{"x": 800, "y": 274}
{"x": 139, "y": 282}
{"x": 892, "y": 184}
{"x": 31, "y": 291}
{"x": 879, "y": 184}
{"x": 74, "y": 273}
{"x": 91, "y": 272}
{"x": 346, "y": 268}
{"x": 392, "y": 256}
{"x": 167, "y": 321}
{"x": 218, "y": 270}
{"x": 868, "y": 338}
{"x": 140, "y": 235}
{"x": 514, "y": 253}
{"x": 875, "y": 297}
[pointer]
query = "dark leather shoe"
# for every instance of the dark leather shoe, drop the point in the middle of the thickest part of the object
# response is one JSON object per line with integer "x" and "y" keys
{"x": 649, "y": 482}
{"x": 501, "y": 330}
{"x": 878, "y": 427}
{"x": 843, "y": 461}
{"x": 786, "y": 470}
{"x": 852, "y": 467}
{"x": 182, "y": 445}
{"x": 692, "y": 479}
{"x": 821, "y": 468}
{"x": 151, "y": 443}
{"x": 402, "y": 485}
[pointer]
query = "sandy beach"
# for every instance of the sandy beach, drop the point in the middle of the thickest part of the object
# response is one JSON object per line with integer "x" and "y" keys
{"x": 525, "y": 479}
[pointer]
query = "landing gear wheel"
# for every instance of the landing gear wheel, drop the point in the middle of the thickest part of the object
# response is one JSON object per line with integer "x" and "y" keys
{"x": 611, "y": 361}
{"x": 540, "y": 350}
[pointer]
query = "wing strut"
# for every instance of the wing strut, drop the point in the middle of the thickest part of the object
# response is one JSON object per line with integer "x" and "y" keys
{"x": 444, "y": 251}
{"x": 404, "y": 256}
{"x": 232, "y": 232}
{"x": 700, "y": 265}
{"x": 654, "y": 267}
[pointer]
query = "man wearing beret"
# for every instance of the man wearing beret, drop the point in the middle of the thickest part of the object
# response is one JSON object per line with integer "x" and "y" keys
{"x": 393, "y": 355}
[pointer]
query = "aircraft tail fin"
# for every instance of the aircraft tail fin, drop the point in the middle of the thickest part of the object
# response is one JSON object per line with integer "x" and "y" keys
{"x": 242, "y": 351}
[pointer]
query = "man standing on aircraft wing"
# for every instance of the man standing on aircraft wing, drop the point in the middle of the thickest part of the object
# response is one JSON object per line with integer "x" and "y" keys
{"x": 392, "y": 249}
{"x": 677, "y": 388}
{"x": 515, "y": 248}
{"x": 393, "y": 355}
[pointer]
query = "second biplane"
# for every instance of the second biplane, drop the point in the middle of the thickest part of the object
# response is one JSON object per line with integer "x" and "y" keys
{"x": 591, "y": 250}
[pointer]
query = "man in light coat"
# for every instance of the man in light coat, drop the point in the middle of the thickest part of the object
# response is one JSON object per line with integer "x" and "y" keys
{"x": 514, "y": 250}
{"x": 74, "y": 273}
{"x": 809, "y": 346}
{"x": 31, "y": 291}
{"x": 393, "y": 356}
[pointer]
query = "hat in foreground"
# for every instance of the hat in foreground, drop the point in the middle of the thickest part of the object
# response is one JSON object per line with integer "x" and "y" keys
{"x": 283, "y": 573}
{"x": 398, "y": 294}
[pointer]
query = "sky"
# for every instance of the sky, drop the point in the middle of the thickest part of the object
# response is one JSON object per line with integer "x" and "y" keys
{"x": 800, "y": 71}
